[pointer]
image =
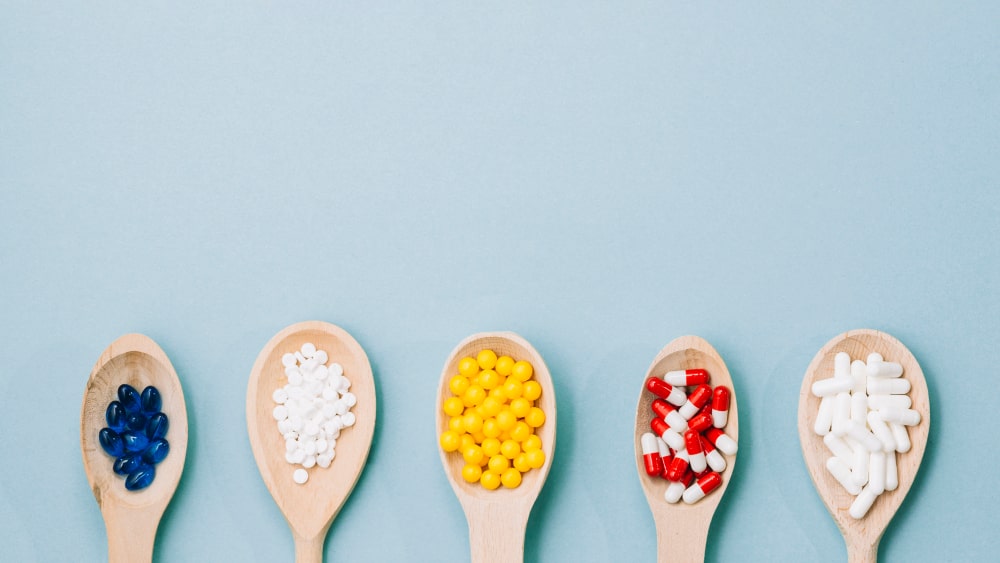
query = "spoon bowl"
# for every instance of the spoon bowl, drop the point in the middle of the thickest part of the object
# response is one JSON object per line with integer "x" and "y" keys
{"x": 311, "y": 507}
{"x": 132, "y": 517}
{"x": 862, "y": 536}
{"x": 682, "y": 529}
{"x": 498, "y": 519}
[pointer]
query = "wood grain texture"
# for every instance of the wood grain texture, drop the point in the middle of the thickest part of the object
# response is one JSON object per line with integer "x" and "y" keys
{"x": 132, "y": 517}
{"x": 862, "y": 536}
{"x": 498, "y": 519}
{"x": 682, "y": 529}
{"x": 310, "y": 508}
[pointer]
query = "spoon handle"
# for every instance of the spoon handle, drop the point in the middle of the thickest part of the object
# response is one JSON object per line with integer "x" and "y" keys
{"x": 309, "y": 550}
{"x": 857, "y": 553}
{"x": 130, "y": 535}
{"x": 496, "y": 532}
{"x": 681, "y": 540}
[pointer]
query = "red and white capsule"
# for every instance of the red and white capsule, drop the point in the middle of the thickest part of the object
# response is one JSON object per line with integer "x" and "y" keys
{"x": 676, "y": 489}
{"x": 701, "y": 421}
{"x": 651, "y": 455}
{"x": 669, "y": 435}
{"x": 669, "y": 413}
{"x": 664, "y": 456}
{"x": 697, "y": 399}
{"x": 686, "y": 377}
{"x": 660, "y": 388}
{"x": 721, "y": 440}
{"x": 704, "y": 485}
{"x": 713, "y": 457}
{"x": 696, "y": 456}
{"x": 678, "y": 466}
{"x": 720, "y": 406}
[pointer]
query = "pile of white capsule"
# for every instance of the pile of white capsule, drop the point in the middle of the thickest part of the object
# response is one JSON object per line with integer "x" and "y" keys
{"x": 312, "y": 409}
{"x": 863, "y": 414}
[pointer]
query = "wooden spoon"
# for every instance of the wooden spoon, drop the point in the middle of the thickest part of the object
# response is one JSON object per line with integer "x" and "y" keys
{"x": 498, "y": 519}
{"x": 862, "y": 536}
{"x": 682, "y": 529}
{"x": 310, "y": 508}
{"x": 131, "y": 517}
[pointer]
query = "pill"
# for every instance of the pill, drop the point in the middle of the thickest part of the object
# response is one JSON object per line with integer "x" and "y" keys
{"x": 651, "y": 454}
{"x": 135, "y": 421}
{"x": 839, "y": 448}
{"x": 859, "y": 408}
{"x": 876, "y": 472}
{"x": 901, "y": 436}
{"x": 701, "y": 421}
{"x": 881, "y": 431}
{"x": 891, "y": 473}
{"x": 134, "y": 441}
{"x": 879, "y": 385}
{"x": 665, "y": 456}
{"x": 126, "y": 463}
{"x": 874, "y": 357}
{"x": 678, "y": 466}
{"x": 862, "y": 503}
{"x": 867, "y": 440}
{"x": 300, "y": 476}
{"x": 280, "y": 413}
{"x": 696, "y": 456}
{"x": 720, "y": 406}
{"x": 841, "y": 414}
{"x": 824, "y": 418}
{"x": 288, "y": 360}
{"x": 116, "y": 416}
{"x": 150, "y": 400}
{"x": 140, "y": 477}
{"x": 686, "y": 377}
{"x": 660, "y": 388}
{"x": 111, "y": 442}
{"x": 842, "y": 365}
{"x": 697, "y": 399}
{"x": 156, "y": 451}
{"x": 129, "y": 398}
{"x": 721, "y": 440}
{"x": 675, "y": 490}
{"x": 859, "y": 374}
{"x": 669, "y": 435}
{"x": 877, "y": 402}
{"x": 704, "y": 485}
{"x": 859, "y": 469}
{"x": 906, "y": 417}
{"x": 884, "y": 369}
{"x": 842, "y": 473}
{"x": 348, "y": 419}
{"x": 713, "y": 457}
{"x": 832, "y": 386}
{"x": 669, "y": 413}
{"x": 157, "y": 426}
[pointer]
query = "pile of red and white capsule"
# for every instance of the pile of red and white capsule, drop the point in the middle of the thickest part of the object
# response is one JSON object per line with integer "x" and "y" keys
{"x": 687, "y": 434}
{"x": 863, "y": 414}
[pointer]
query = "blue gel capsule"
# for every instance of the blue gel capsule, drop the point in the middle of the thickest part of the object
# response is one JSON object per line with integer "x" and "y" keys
{"x": 127, "y": 464}
{"x": 135, "y": 442}
{"x": 135, "y": 421}
{"x": 111, "y": 442}
{"x": 157, "y": 426}
{"x": 115, "y": 415}
{"x": 129, "y": 398}
{"x": 151, "y": 401}
{"x": 140, "y": 477}
{"x": 156, "y": 451}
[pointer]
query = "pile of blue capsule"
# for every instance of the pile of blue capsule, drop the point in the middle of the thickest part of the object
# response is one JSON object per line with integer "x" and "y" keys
{"x": 135, "y": 435}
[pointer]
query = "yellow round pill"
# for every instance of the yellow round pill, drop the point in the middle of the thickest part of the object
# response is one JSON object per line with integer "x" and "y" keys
{"x": 453, "y": 406}
{"x": 521, "y": 463}
{"x": 468, "y": 367}
{"x": 473, "y": 396}
{"x": 513, "y": 388}
{"x": 506, "y": 419}
{"x": 535, "y": 417}
{"x": 487, "y": 359}
{"x": 532, "y": 390}
{"x": 498, "y": 463}
{"x": 471, "y": 472}
{"x": 456, "y": 425}
{"x": 522, "y": 370}
{"x": 467, "y": 440}
{"x": 489, "y": 379}
{"x": 450, "y": 441}
{"x": 491, "y": 406}
{"x": 531, "y": 443}
{"x": 536, "y": 459}
{"x": 497, "y": 393}
{"x": 511, "y": 478}
{"x": 473, "y": 423}
{"x": 505, "y": 365}
{"x": 491, "y": 447}
{"x": 520, "y": 407}
{"x": 491, "y": 428}
{"x": 510, "y": 449}
{"x": 458, "y": 384}
{"x": 472, "y": 454}
{"x": 489, "y": 480}
{"x": 521, "y": 431}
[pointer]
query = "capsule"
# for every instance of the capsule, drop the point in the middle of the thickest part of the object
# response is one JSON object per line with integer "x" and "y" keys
{"x": 140, "y": 477}
{"x": 151, "y": 401}
{"x": 704, "y": 485}
{"x": 906, "y": 417}
{"x": 696, "y": 455}
{"x": 686, "y": 377}
{"x": 669, "y": 413}
{"x": 135, "y": 421}
{"x": 883, "y": 386}
{"x": 832, "y": 386}
{"x": 720, "y": 406}
{"x": 891, "y": 473}
{"x": 859, "y": 373}
{"x": 678, "y": 466}
{"x": 701, "y": 421}
{"x": 712, "y": 456}
{"x": 126, "y": 464}
{"x": 670, "y": 436}
{"x": 135, "y": 442}
{"x": 129, "y": 398}
{"x": 665, "y": 456}
{"x": 881, "y": 431}
{"x": 111, "y": 441}
{"x": 842, "y": 365}
{"x": 841, "y": 413}
{"x": 842, "y": 473}
{"x": 824, "y": 418}
{"x": 839, "y": 448}
{"x": 698, "y": 398}
{"x": 868, "y": 440}
{"x": 902, "y": 437}
{"x": 651, "y": 455}
{"x": 859, "y": 408}
{"x": 876, "y": 402}
{"x": 116, "y": 416}
{"x": 676, "y": 489}
{"x": 156, "y": 451}
{"x": 660, "y": 388}
{"x": 722, "y": 441}
{"x": 862, "y": 503}
{"x": 157, "y": 426}
{"x": 884, "y": 369}
{"x": 859, "y": 468}
{"x": 876, "y": 472}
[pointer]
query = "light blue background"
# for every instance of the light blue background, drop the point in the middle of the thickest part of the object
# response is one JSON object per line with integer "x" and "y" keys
{"x": 597, "y": 177}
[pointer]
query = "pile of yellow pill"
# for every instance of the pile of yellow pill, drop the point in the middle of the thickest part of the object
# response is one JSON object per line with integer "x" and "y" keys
{"x": 493, "y": 418}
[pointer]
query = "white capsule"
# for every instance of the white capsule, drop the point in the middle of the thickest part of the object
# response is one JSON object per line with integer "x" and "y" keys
{"x": 884, "y": 369}
{"x": 859, "y": 377}
{"x": 308, "y": 349}
{"x": 859, "y": 471}
{"x": 876, "y": 402}
{"x": 300, "y": 476}
{"x": 648, "y": 443}
{"x": 902, "y": 437}
{"x": 280, "y": 413}
{"x": 674, "y": 492}
{"x": 881, "y": 431}
{"x": 874, "y": 357}
{"x": 859, "y": 408}
{"x": 288, "y": 360}
{"x": 832, "y": 386}
{"x": 673, "y": 439}
{"x": 883, "y": 386}
{"x": 868, "y": 440}
{"x": 906, "y": 417}
{"x": 348, "y": 419}
{"x": 715, "y": 461}
{"x": 698, "y": 462}
{"x": 675, "y": 421}
{"x": 876, "y": 472}
{"x": 842, "y": 473}
{"x": 824, "y": 418}
{"x": 891, "y": 473}
{"x": 839, "y": 448}
{"x": 841, "y": 413}
{"x": 842, "y": 365}
{"x": 862, "y": 503}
